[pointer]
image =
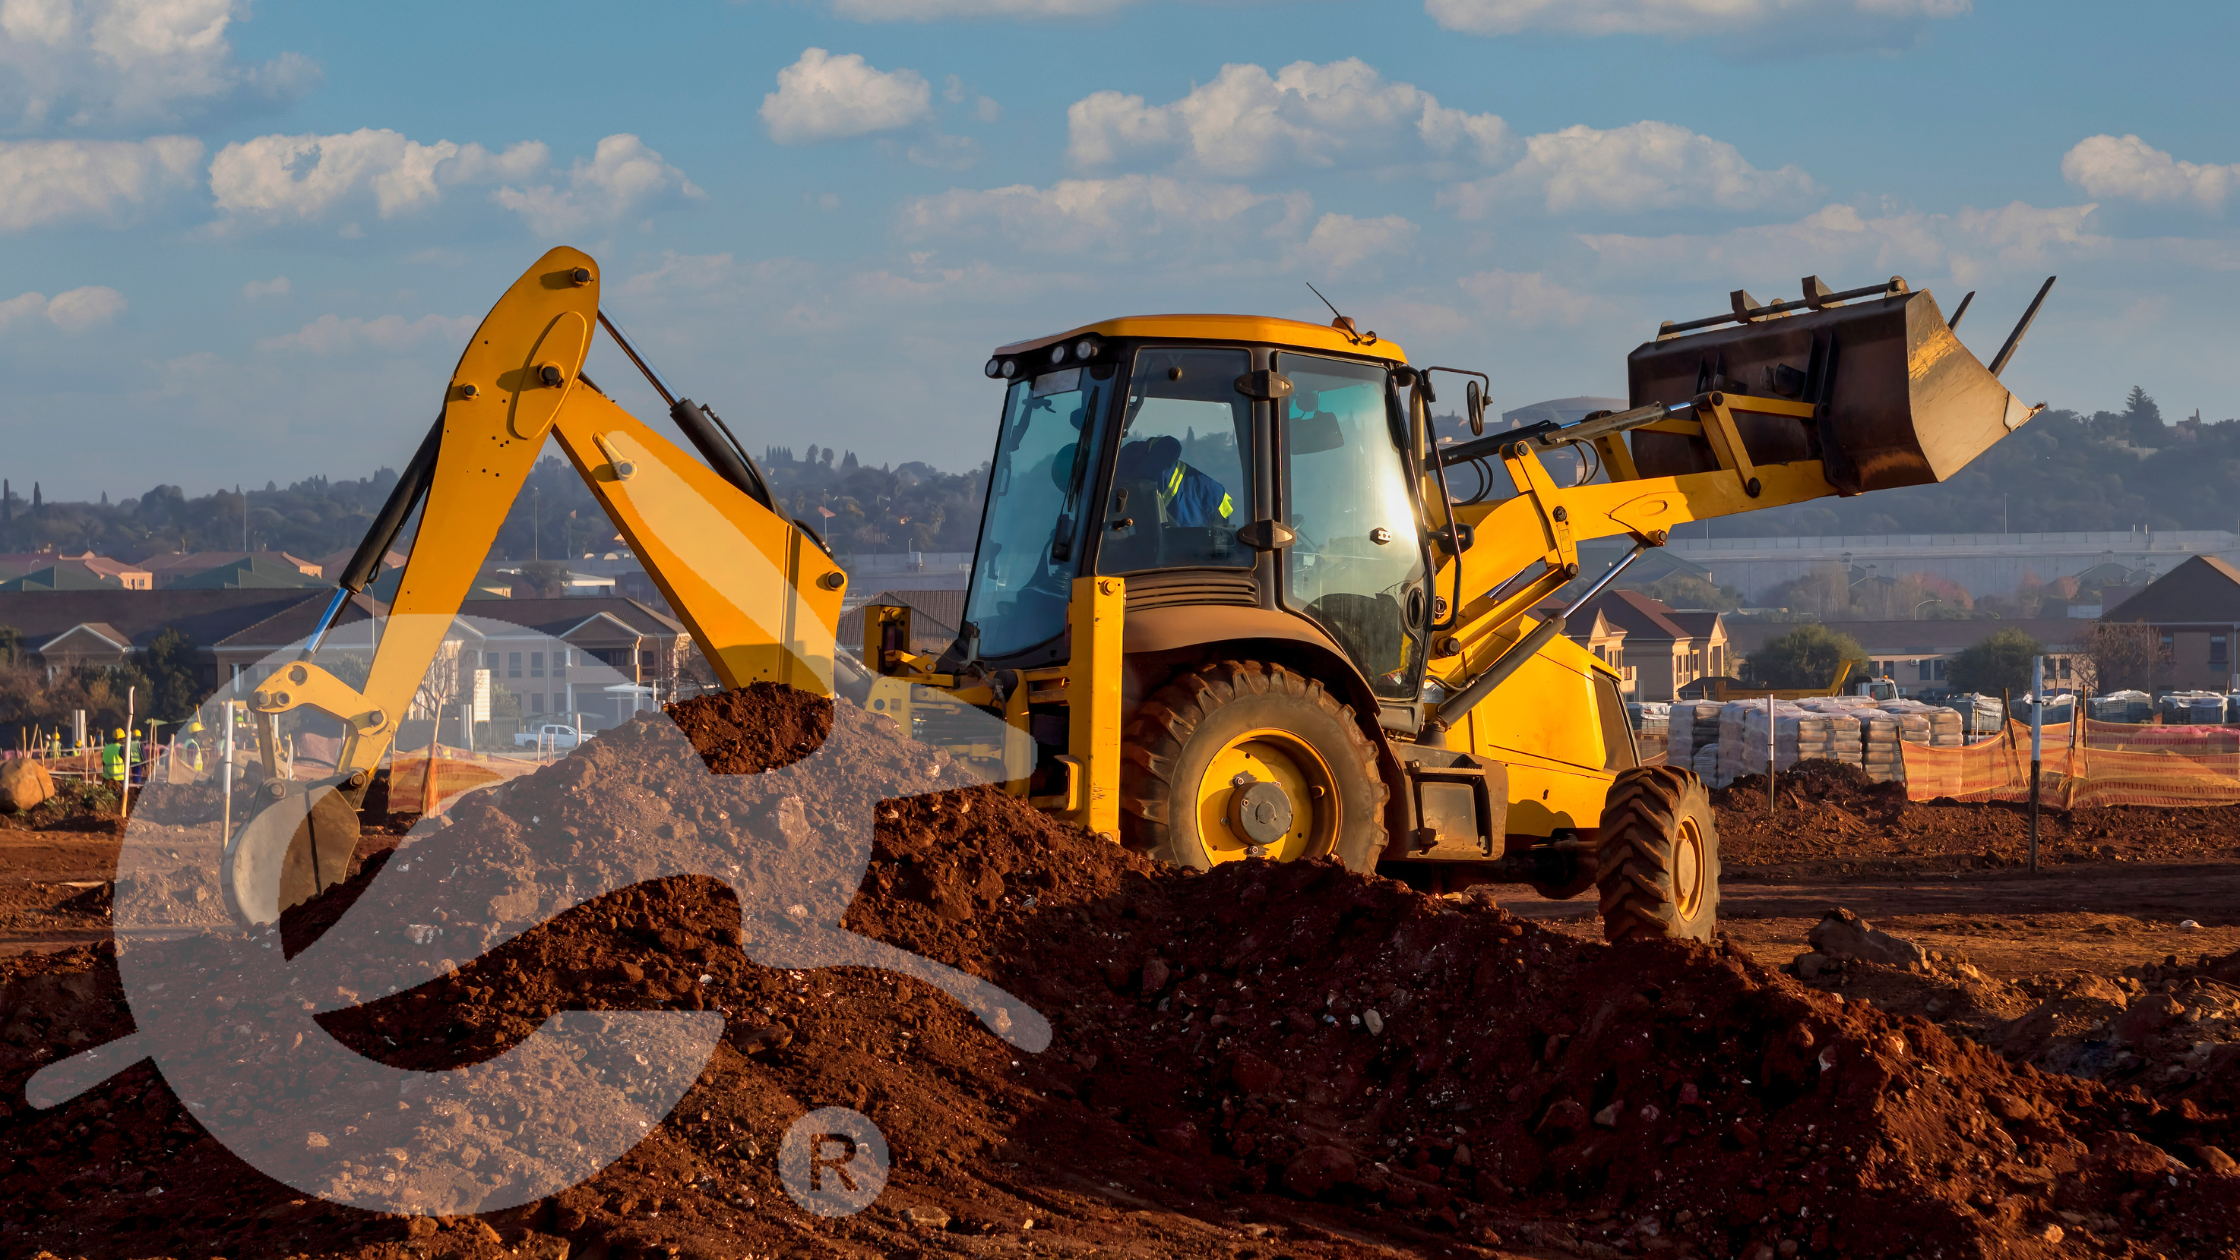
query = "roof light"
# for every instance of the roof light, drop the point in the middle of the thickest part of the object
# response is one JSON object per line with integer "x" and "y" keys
{"x": 1010, "y": 368}
{"x": 994, "y": 368}
{"x": 1058, "y": 353}
{"x": 1086, "y": 348}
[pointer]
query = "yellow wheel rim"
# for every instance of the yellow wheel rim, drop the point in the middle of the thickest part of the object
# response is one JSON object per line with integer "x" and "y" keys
{"x": 1268, "y": 756}
{"x": 1687, "y": 869}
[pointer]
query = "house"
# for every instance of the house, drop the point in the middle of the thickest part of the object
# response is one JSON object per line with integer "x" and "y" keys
{"x": 1607, "y": 641}
{"x": 168, "y": 569}
{"x": 331, "y": 565}
{"x": 2195, "y": 608}
{"x": 252, "y": 572}
{"x": 64, "y": 629}
{"x": 1666, "y": 648}
{"x": 67, "y": 575}
{"x": 1914, "y": 654}
{"x": 935, "y": 619}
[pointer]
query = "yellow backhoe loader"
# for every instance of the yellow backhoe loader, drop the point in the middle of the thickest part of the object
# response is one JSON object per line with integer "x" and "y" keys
{"x": 1232, "y": 597}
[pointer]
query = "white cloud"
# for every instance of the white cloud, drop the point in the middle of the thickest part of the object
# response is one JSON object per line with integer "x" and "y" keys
{"x": 333, "y": 334}
{"x": 823, "y": 97}
{"x": 74, "y": 311}
{"x": 1647, "y": 166}
{"x": 302, "y": 179}
{"x": 1247, "y": 121}
{"x": 279, "y": 178}
{"x": 1678, "y": 19}
{"x": 1341, "y": 243}
{"x": 53, "y": 181}
{"x": 110, "y": 63}
{"x": 938, "y": 10}
{"x": 1118, "y": 219}
{"x": 623, "y": 177}
{"x": 276, "y": 287}
{"x": 1531, "y": 299}
{"x": 1849, "y": 248}
{"x": 2132, "y": 169}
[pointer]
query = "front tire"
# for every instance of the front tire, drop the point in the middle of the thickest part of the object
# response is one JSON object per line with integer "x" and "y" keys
{"x": 1240, "y": 759}
{"x": 1658, "y": 860}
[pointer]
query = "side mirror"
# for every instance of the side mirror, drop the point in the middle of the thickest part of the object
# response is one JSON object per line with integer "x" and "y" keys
{"x": 1474, "y": 406}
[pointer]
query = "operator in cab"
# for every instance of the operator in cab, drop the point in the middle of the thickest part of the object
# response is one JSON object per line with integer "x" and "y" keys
{"x": 1187, "y": 497}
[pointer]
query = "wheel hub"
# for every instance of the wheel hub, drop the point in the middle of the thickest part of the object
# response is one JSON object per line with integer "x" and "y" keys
{"x": 1262, "y": 812}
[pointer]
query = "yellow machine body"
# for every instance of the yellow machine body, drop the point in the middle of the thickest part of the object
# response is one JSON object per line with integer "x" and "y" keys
{"x": 1493, "y": 698}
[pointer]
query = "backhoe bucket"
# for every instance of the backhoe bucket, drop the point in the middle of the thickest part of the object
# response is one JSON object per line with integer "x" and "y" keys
{"x": 1900, "y": 402}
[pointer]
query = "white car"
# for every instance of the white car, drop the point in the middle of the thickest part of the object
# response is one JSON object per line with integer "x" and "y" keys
{"x": 551, "y": 734}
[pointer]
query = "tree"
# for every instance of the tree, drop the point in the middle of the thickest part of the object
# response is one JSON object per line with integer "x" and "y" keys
{"x": 2124, "y": 656}
{"x": 1807, "y": 656}
{"x": 2142, "y": 420}
{"x": 11, "y": 645}
{"x": 172, "y": 676}
{"x": 546, "y": 579}
{"x": 2000, "y": 662}
{"x": 1686, "y": 590}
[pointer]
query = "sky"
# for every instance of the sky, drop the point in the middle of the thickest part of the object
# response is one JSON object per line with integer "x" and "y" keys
{"x": 248, "y": 243}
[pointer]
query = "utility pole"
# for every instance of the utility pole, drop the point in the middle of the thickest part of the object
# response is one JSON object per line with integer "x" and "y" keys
{"x": 536, "y": 512}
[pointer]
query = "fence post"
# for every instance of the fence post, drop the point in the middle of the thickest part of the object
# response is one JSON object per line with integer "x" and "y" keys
{"x": 1769, "y": 754}
{"x": 2037, "y": 748}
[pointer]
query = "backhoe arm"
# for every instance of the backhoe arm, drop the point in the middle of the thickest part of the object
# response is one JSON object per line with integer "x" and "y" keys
{"x": 759, "y": 595}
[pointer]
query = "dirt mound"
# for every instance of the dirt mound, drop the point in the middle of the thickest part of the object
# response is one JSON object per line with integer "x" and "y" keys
{"x": 1266, "y": 1058}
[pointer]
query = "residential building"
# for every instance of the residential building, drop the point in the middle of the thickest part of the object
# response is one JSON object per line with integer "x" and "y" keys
{"x": 63, "y": 629}
{"x": 331, "y": 565}
{"x": 558, "y": 657}
{"x": 67, "y": 575}
{"x": 1666, "y": 648}
{"x": 254, "y": 572}
{"x": 2195, "y": 609}
{"x": 1594, "y": 631}
{"x": 170, "y": 568}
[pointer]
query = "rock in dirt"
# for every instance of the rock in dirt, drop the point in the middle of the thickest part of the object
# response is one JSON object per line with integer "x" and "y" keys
{"x": 24, "y": 785}
{"x": 1842, "y": 934}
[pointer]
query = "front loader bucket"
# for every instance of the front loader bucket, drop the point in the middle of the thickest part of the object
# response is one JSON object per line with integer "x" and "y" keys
{"x": 1899, "y": 401}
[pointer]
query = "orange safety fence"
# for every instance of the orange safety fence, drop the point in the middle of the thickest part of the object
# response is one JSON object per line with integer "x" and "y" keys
{"x": 2085, "y": 765}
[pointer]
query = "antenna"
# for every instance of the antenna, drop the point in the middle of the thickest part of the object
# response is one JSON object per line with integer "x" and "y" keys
{"x": 1343, "y": 323}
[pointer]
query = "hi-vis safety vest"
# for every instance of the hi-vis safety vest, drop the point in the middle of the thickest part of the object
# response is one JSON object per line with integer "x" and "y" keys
{"x": 1189, "y": 497}
{"x": 112, "y": 762}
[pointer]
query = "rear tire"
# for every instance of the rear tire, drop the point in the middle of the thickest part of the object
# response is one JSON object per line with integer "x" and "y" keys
{"x": 1658, "y": 860}
{"x": 1190, "y": 743}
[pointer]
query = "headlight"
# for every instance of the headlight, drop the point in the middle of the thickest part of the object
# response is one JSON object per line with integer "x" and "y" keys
{"x": 1086, "y": 348}
{"x": 1058, "y": 353}
{"x": 994, "y": 368}
{"x": 1010, "y": 368}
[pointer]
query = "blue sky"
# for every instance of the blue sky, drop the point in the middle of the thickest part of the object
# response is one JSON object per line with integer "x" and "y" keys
{"x": 247, "y": 244}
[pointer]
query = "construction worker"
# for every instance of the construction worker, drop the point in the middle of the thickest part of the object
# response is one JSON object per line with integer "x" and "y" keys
{"x": 1187, "y": 497}
{"x": 193, "y": 750}
{"x": 112, "y": 758}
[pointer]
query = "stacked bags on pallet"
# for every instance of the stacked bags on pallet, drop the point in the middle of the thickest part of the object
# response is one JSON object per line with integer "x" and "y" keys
{"x": 1692, "y": 737}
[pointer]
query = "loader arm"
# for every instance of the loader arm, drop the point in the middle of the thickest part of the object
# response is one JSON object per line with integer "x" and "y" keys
{"x": 1909, "y": 406}
{"x": 758, "y": 593}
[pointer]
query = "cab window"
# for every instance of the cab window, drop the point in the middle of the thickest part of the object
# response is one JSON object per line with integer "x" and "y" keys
{"x": 1179, "y": 485}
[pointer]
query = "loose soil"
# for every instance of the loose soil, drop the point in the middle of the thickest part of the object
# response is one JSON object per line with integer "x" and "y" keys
{"x": 1260, "y": 1061}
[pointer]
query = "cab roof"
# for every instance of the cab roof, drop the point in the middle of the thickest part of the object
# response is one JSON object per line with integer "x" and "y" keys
{"x": 1264, "y": 329}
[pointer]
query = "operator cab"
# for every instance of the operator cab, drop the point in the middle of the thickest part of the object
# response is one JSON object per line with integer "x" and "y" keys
{"x": 1208, "y": 460}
